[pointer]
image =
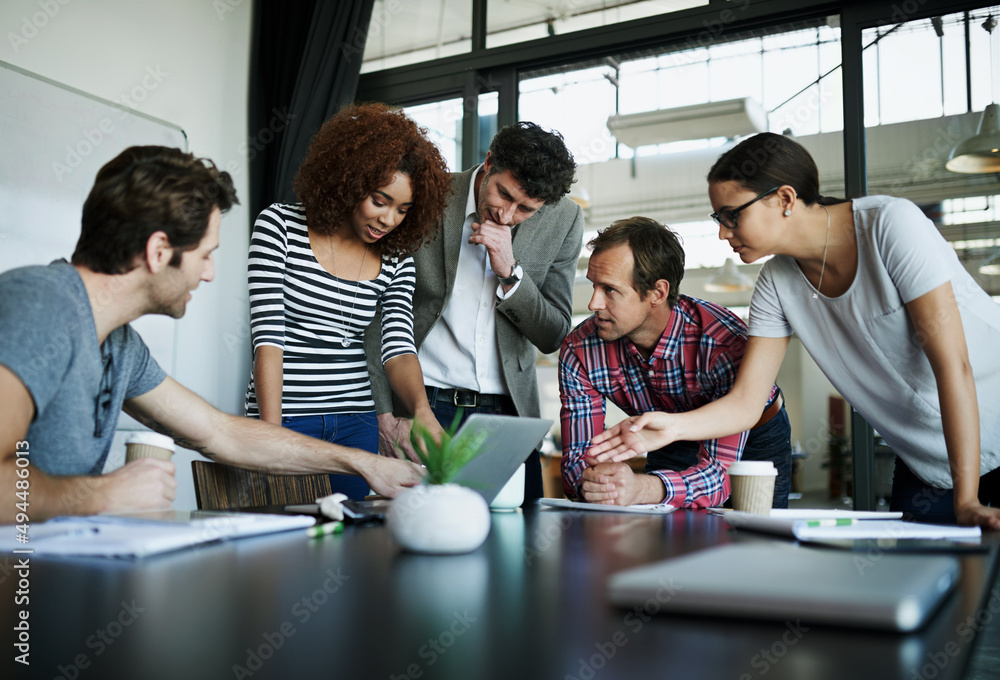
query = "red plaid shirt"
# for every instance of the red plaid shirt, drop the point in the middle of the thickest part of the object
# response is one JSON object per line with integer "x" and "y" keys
{"x": 695, "y": 362}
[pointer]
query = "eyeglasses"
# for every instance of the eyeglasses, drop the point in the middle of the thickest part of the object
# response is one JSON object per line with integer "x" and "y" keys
{"x": 727, "y": 218}
{"x": 102, "y": 403}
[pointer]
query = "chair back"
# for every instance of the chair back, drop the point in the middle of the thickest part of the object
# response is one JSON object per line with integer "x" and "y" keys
{"x": 222, "y": 487}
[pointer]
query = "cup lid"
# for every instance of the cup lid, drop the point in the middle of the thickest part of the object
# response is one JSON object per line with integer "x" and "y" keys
{"x": 151, "y": 439}
{"x": 753, "y": 467}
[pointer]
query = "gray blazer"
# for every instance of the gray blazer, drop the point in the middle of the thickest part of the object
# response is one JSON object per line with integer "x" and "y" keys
{"x": 546, "y": 245}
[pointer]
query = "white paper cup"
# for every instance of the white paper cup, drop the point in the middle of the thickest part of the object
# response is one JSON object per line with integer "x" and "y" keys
{"x": 752, "y": 483}
{"x": 148, "y": 445}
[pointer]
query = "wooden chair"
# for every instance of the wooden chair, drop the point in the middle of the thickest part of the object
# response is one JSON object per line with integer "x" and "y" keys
{"x": 221, "y": 487}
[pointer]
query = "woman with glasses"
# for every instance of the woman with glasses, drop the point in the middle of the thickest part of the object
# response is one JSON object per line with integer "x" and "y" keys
{"x": 886, "y": 310}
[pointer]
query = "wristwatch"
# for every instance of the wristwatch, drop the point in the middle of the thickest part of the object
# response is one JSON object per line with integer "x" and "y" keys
{"x": 515, "y": 275}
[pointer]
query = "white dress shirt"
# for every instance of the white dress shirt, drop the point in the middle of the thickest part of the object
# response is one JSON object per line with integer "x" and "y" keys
{"x": 461, "y": 349}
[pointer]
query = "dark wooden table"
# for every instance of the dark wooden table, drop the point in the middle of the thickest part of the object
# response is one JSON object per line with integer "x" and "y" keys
{"x": 529, "y": 604}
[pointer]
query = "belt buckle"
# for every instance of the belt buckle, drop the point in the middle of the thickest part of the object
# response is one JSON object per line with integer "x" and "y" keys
{"x": 472, "y": 403}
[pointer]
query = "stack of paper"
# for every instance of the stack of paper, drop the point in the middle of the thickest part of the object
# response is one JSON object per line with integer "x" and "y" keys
{"x": 812, "y": 525}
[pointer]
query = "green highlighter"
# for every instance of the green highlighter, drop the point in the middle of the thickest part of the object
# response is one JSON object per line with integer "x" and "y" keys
{"x": 320, "y": 530}
{"x": 831, "y": 522}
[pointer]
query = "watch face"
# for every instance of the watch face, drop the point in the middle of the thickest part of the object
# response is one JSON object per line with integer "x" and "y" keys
{"x": 515, "y": 276}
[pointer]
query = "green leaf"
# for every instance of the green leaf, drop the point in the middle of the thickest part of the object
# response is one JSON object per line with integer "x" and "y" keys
{"x": 444, "y": 460}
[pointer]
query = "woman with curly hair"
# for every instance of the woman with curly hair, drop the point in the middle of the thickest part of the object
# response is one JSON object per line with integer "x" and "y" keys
{"x": 371, "y": 190}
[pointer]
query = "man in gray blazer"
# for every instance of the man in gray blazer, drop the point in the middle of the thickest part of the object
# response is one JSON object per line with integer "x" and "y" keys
{"x": 495, "y": 283}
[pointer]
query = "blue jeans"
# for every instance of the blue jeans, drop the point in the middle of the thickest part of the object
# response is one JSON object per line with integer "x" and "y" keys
{"x": 359, "y": 430}
{"x": 445, "y": 412}
{"x": 922, "y": 502}
{"x": 771, "y": 441}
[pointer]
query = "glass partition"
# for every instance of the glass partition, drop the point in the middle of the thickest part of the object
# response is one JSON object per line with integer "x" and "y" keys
{"x": 793, "y": 77}
{"x": 405, "y": 32}
{"x": 515, "y": 21}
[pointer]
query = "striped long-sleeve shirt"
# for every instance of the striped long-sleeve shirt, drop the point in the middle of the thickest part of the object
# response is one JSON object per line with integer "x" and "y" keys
{"x": 318, "y": 319}
{"x": 695, "y": 362}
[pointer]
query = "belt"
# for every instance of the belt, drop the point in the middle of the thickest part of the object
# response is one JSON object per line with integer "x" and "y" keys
{"x": 770, "y": 411}
{"x": 466, "y": 398}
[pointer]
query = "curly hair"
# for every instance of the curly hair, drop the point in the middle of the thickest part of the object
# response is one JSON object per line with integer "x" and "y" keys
{"x": 656, "y": 252}
{"x": 359, "y": 150}
{"x": 143, "y": 190}
{"x": 537, "y": 158}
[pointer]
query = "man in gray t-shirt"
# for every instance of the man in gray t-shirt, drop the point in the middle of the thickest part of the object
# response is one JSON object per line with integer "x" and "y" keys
{"x": 69, "y": 361}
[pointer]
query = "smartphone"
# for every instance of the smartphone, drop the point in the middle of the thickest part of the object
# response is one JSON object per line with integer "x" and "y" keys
{"x": 365, "y": 511}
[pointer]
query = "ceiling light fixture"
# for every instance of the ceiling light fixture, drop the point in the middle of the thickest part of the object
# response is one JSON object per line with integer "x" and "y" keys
{"x": 729, "y": 280}
{"x": 981, "y": 152}
{"x": 730, "y": 118}
{"x": 991, "y": 267}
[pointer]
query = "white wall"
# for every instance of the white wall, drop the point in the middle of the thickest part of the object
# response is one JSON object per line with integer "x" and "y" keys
{"x": 186, "y": 62}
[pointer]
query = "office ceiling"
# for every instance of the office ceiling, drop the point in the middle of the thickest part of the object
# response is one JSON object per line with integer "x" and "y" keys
{"x": 403, "y": 27}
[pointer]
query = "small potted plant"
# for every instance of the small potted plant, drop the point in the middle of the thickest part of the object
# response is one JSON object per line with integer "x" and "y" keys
{"x": 438, "y": 516}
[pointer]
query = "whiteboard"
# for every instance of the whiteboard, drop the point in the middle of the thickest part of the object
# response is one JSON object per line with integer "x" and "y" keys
{"x": 53, "y": 140}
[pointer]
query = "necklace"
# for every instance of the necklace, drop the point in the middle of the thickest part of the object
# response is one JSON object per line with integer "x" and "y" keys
{"x": 345, "y": 341}
{"x": 826, "y": 248}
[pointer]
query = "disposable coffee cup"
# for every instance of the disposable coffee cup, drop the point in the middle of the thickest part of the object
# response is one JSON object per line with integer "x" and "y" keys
{"x": 752, "y": 483}
{"x": 148, "y": 445}
{"x": 512, "y": 494}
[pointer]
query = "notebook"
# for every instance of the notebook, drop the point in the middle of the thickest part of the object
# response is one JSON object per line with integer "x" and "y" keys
{"x": 764, "y": 580}
{"x": 641, "y": 509}
{"x": 808, "y": 529}
{"x": 147, "y": 533}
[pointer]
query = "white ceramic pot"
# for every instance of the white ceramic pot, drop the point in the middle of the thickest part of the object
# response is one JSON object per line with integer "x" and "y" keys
{"x": 439, "y": 519}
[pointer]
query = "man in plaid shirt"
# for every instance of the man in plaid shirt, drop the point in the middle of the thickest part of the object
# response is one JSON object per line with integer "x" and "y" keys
{"x": 656, "y": 350}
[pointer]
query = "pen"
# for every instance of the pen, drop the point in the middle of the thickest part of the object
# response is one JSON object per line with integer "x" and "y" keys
{"x": 320, "y": 530}
{"x": 840, "y": 522}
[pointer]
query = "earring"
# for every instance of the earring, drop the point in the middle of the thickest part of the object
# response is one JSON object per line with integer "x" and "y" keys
{"x": 788, "y": 213}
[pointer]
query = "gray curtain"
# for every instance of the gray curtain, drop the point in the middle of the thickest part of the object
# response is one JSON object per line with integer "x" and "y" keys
{"x": 306, "y": 59}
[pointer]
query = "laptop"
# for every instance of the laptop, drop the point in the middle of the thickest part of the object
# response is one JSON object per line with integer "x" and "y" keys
{"x": 508, "y": 441}
{"x": 786, "y": 582}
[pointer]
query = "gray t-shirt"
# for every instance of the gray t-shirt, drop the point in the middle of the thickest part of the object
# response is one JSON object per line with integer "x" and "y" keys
{"x": 866, "y": 344}
{"x": 48, "y": 339}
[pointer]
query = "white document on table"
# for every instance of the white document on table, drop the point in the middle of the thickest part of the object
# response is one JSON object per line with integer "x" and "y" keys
{"x": 142, "y": 534}
{"x": 811, "y": 529}
{"x": 651, "y": 509}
